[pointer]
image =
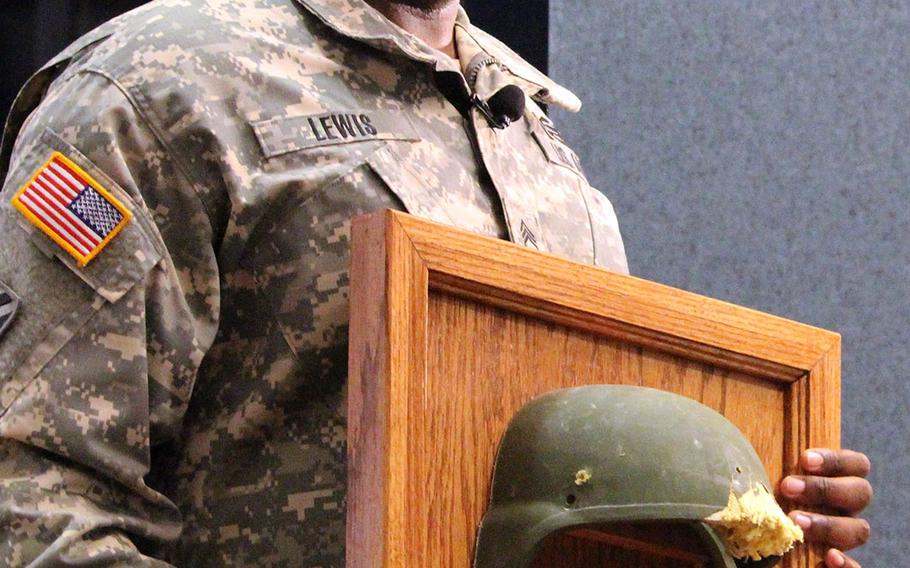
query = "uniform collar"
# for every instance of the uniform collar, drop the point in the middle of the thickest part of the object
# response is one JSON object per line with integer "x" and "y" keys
{"x": 358, "y": 20}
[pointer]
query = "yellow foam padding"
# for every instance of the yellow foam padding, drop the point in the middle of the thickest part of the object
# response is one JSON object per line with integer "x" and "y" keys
{"x": 754, "y": 526}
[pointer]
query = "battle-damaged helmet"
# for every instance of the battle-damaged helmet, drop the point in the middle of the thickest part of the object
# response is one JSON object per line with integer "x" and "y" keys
{"x": 614, "y": 454}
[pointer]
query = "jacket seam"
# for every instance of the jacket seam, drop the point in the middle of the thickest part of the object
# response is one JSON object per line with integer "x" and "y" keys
{"x": 142, "y": 113}
{"x": 582, "y": 187}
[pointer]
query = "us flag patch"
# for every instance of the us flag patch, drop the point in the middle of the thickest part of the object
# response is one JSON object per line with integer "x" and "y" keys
{"x": 71, "y": 208}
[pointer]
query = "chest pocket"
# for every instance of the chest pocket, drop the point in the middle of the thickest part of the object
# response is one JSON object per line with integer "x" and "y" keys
{"x": 301, "y": 255}
{"x": 382, "y": 141}
{"x": 57, "y": 296}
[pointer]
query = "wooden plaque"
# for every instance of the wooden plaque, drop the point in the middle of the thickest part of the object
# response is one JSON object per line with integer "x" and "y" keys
{"x": 451, "y": 333}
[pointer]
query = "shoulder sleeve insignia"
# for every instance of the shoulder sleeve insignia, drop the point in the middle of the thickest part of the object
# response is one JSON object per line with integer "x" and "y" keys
{"x": 72, "y": 208}
{"x": 8, "y": 305}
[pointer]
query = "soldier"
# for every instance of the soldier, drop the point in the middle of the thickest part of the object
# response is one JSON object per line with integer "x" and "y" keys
{"x": 174, "y": 267}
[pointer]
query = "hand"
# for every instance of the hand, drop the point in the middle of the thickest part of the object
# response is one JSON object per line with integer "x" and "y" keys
{"x": 836, "y": 481}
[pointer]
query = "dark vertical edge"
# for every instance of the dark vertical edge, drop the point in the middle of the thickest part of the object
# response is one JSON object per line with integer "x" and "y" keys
{"x": 368, "y": 395}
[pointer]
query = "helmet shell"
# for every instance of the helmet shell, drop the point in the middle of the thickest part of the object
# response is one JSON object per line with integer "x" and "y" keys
{"x": 609, "y": 453}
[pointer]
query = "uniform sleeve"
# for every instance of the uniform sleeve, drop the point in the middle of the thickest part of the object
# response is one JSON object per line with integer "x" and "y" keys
{"x": 97, "y": 363}
{"x": 609, "y": 250}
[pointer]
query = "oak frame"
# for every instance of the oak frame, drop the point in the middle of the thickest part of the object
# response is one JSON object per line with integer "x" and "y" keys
{"x": 398, "y": 260}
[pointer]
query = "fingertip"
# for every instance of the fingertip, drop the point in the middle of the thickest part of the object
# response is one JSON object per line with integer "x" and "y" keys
{"x": 866, "y": 531}
{"x": 835, "y": 558}
{"x": 812, "y": 460}
{"x": 803, "y": 520}
{"x": 792, "y": 486}
{"x": 867, "y": 465}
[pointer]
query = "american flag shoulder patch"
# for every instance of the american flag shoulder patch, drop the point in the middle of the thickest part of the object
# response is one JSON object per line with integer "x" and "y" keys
{"x": 70, "y": 207}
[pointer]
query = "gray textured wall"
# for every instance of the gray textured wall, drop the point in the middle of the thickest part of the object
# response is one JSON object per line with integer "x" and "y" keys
{"x": 759, "y": 152}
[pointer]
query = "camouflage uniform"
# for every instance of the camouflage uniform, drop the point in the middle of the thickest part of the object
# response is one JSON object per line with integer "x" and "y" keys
{"x": 191, "y": 377}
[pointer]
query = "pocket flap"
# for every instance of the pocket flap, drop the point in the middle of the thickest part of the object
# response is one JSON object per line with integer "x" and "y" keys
{"x": 419, "y": 197}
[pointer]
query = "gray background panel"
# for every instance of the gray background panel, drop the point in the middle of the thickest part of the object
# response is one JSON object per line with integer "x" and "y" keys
{"x": 757, "y": 152}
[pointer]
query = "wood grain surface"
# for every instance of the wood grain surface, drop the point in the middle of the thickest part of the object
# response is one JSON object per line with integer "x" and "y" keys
{"x": 451, "y": 333}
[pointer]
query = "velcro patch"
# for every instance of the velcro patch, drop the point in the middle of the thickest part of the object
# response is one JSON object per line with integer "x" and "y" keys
{"x": 70, "y": 207}
{"x": 9, "y": 303}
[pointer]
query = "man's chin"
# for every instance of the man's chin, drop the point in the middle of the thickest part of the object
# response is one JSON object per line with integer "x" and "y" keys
{"x": 424, "y": 5}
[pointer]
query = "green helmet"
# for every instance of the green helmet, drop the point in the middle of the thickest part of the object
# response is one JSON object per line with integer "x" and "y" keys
{"x": 606, "y": 454}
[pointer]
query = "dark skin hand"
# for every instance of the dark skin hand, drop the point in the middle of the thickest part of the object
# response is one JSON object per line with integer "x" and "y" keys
{"x": 833, "y": 480}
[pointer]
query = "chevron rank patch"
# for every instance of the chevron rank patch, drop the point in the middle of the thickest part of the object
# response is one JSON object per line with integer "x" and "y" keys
{"x": 8, "y": 305}
{"x": 71, "y": 208}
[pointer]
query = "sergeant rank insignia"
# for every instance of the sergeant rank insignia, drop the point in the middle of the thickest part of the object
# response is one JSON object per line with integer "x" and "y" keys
{"x": 71, "y": 208}
{"x": 8, "y": 304}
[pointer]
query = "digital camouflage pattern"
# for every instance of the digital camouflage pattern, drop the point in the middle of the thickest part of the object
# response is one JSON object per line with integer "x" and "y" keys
{"x": 181, "y": 399}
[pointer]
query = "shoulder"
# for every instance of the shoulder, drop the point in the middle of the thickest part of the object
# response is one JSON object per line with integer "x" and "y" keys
{"x": 194, "y": 73}
{"x": 194, "y": 38}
